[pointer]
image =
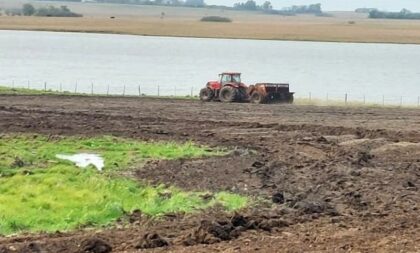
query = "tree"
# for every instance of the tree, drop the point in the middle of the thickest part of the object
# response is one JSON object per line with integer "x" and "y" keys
{"x": 314, "y": 8}
{"x": 28, "y": 10}
{"x": 267, "y": 6}
{"x": 195, "y": 3}
{"x": 250, "y": 5}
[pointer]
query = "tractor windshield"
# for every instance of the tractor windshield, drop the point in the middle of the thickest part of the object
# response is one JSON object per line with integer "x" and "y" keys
{"x": 231, "y": 78}
{"x": 236, "y": 78}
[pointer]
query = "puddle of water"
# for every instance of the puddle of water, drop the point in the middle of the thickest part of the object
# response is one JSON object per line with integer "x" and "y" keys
{"x": 83, "y": 160}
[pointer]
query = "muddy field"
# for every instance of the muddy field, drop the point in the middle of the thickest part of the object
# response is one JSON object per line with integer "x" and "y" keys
{"x": 326, "y": 179}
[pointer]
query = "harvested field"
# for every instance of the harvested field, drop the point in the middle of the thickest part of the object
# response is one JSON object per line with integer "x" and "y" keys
{"x": 328, "y": 179}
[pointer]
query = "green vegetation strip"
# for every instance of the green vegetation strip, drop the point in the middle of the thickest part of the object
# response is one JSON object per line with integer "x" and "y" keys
{"x": 39, "y": 192}
{"x": 25, "y": 91}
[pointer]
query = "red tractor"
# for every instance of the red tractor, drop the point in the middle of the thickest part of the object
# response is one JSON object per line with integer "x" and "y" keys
{"x": 230, "y": 89}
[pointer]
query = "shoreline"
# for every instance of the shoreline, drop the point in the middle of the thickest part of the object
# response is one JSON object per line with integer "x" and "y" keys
{"x": 101, "y": 32}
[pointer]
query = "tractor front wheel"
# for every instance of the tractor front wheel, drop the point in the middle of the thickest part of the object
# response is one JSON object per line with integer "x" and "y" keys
{"x": 206, "y": 94}
{"x": 228, "y": 94}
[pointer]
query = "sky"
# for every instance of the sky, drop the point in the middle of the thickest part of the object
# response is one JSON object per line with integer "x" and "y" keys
{"x": 337, "y": 5}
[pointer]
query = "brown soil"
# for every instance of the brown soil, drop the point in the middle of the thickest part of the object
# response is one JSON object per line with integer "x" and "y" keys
{"x": 329, "y": 179}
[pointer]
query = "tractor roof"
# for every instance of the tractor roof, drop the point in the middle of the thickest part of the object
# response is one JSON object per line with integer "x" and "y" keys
{"x": 230, "y": 73}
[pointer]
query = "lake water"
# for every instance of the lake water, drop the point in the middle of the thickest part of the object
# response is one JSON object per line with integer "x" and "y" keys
{"x": 177, "y": 65}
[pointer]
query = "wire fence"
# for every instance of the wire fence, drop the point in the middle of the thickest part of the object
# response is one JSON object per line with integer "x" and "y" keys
{"x": 108, "y": 89}
{"x": 328, "y": 98}
{"x": 359, "y": 99}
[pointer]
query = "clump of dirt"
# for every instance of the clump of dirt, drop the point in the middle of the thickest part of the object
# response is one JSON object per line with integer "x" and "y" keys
{"x": 32, "y": 247}
{"x": 210, "y": 232}
{"x": 17, "y": 163}
{"x": 278, "y": 198}
{"x": 315, "y": 207}
{"x": 135, "y": 216}
{"x": 95, "y": 245}
{"x": 4, "y": 250}
{"x": 362, "y": 158}
{"x": 151, "y": 240}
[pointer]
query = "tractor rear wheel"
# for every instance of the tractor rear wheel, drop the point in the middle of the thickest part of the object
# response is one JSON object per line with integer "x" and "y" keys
{"x": 206, "y": 94}
{"x": 228, "y": 94}
{"x": 257, "y": 98}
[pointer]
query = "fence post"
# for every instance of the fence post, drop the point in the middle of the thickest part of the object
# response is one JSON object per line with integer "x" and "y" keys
{"x": 175, "y": 90}
{"x": 107, "y": 90}
{"x": 91, "y": 88}
{"x": 310, "y": 96}
{"x": 364, "y": 99}
{"x": 61, "y": 87}
{"x": 345, "y": 99}
{"x": 192, "y": 91}
{"x": 124, "y": 90}
{"x": 139, "y": 91}
{"x": 45, "y": 86}
{"x": 75, "y": 88}
{"x": 383, "y": 100}
{"x": 158, "y": 91}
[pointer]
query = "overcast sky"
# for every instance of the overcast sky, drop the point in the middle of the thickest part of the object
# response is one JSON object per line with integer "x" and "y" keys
{"x": 336, "y": 5}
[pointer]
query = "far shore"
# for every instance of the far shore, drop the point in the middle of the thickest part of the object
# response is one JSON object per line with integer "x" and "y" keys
{"x": 259, "y": 27}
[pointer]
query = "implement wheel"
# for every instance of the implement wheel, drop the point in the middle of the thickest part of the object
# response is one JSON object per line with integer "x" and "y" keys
{"x": 228, "y": 94}
{"x": 291, "y": 99}
{"x": 206, "y": 94}
{"x": 257, "y": 98}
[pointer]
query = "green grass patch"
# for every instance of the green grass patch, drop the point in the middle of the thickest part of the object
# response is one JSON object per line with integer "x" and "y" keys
{"x": 39, "y": 192}
{"x": 25, "y": 91}
{"x": 36, "y": 152}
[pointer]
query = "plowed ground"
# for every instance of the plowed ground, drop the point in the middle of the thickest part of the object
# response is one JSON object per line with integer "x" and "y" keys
{"x": 324, "y": 179}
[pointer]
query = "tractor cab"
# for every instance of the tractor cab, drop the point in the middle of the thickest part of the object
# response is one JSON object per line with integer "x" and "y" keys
{"x": 229, "y": 77}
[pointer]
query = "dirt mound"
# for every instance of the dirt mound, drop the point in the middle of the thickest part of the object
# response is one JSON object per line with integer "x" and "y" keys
{"x": 95, "y": 245}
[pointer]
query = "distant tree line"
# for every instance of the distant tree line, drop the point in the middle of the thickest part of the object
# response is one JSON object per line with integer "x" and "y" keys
{"x": 403, "y": 14}
{"x": 49, "y": 11}
{"x": 251, "y": 5}
{"x": 304, "y": 9}
{"x": 189, "y": 3}
{"x": 365, "y": 10}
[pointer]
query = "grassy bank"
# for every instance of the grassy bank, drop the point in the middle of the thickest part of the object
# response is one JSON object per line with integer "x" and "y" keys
{"x": 39, "y": 192}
